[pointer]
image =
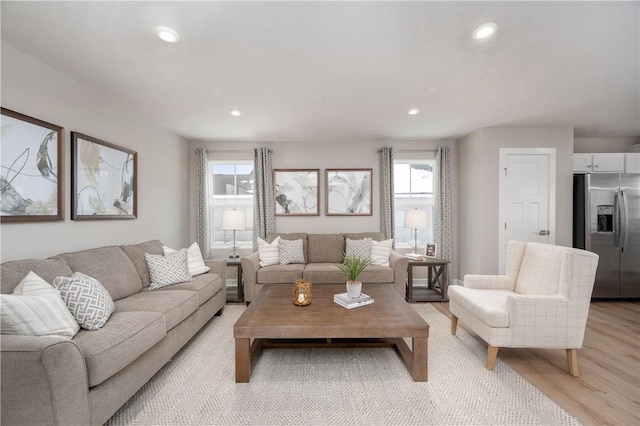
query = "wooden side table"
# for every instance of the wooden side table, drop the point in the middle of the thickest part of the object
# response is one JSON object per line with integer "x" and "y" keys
{"x": 436, "y": 290}
{"x": 235, "y": 293}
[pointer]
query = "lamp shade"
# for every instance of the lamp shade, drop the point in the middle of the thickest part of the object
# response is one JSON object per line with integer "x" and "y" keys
{"x": 415, "y": 218}
{"x": 233, "y": 219}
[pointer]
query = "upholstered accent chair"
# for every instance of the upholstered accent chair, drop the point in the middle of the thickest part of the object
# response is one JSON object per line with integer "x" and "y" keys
{"x": 541, "y": 302}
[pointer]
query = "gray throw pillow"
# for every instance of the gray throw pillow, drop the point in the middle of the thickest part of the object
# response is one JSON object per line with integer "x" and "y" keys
{"x": 291, "y": 251}
{"x": 359, "y": 248}
{"x": 89, "y": 302}
{"x": 169, "y": 269}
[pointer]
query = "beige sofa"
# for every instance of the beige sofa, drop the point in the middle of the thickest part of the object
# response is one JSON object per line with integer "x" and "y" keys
{"x": 322, "y": 253}
{"x": 85, "y": 380}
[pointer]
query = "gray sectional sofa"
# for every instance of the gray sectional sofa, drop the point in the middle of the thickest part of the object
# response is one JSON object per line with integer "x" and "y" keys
{"x": 322, "y": 253}
{"x": 85, "y": 380}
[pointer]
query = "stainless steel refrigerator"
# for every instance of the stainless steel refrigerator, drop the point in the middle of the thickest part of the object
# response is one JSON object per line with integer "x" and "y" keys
{"x": 606, "y": 221}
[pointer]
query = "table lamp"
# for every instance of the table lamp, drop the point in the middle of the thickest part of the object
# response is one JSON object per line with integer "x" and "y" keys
{"x": 233, "y": 220}
{"x": 415, "y": 219}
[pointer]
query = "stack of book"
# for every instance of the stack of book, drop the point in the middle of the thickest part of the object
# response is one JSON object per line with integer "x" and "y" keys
{"x": 414, "y": 256}
{"x": 345, "y": 301}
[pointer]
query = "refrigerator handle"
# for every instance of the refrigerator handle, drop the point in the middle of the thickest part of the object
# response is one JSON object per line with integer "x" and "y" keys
{"x": 624, "y": 222}
{"x": 616, "y": 222}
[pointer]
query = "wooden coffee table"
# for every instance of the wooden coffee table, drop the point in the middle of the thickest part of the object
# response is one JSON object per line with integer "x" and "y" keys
{"x": 272, "y": 320}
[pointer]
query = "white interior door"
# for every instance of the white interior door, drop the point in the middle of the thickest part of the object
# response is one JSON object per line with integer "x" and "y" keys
{"x": 527, "y": 197}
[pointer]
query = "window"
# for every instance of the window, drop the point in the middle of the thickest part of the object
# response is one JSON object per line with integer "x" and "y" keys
{"x": 413, "y": 188}
{"x": 231, "y": 186}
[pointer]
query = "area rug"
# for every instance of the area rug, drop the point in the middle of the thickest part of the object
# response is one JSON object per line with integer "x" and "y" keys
{"x": 337, "y": 386}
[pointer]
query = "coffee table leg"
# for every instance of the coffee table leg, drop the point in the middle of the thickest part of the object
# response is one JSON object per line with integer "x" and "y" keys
{"x": 243, "y": 360}
{"x": 420, "y": 361}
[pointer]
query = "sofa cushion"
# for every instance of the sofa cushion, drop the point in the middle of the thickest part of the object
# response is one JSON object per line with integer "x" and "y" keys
{"x": 205, "y": 285}
{"x": 269, "y": 253}
{"x": 358, "y": 248}
{"x": 125, "y": 337}
{"x": 175, "y": 305}
{"x": 375, "y": 236}
{"x": 136, "y": 252}
{"x": 195, "y": 262}
{"x": 169, "y": 269}
{"x": 109, "y": 265}
{"x": 488, "y": 306}
{"x": 14, "y": 271}
{"x": 277, "y": 274}
{"x": 290, "y": 251}
{"x": 36, "y": 309}
{"x": 87, "y": 299}
{"x": 325, "y": 248}
{"x": 324, "y": 273}
{"x": 293, "y": 236}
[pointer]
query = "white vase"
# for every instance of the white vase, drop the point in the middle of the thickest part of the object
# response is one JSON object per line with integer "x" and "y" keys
{"x": 354, "y": 288}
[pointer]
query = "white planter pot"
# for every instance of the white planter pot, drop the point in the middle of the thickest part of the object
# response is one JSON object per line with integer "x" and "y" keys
{"x": 354, "y": 288}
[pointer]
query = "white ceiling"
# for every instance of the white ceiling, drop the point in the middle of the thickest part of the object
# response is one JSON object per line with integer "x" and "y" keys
{"x": 310, "y": 71}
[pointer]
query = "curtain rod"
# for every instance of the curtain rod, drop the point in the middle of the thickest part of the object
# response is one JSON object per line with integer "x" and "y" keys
{"x": 232, "y": 150}
{"x": 412, "y": 150}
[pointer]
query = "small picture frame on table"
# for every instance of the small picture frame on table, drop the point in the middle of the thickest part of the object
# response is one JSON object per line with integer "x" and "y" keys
{"x": 431, "y": 250}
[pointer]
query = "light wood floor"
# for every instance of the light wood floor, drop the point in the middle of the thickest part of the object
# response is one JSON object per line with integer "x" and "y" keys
{"x": 608, "y": 389}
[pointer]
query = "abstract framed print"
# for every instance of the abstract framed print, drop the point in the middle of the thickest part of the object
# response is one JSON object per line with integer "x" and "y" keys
{"x": 103, "y": 180}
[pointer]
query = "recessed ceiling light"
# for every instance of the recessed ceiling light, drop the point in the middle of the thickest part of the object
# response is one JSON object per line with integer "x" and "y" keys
{"x": 414, "y": 111}
{"x": 167, "y": 34}
{"x": 484, "y": 30}
{"x": 235, "y": 112}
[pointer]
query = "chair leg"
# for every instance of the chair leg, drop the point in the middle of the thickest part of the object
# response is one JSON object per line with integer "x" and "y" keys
{"x": 572, "y": 361}
{"x": 492, "y": 354}
{"x": 454, "y": 324}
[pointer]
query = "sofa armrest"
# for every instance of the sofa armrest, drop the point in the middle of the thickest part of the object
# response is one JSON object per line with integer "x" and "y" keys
{"x": 44, "y": 381}
{"x": 218, "y": 267}
{"x": 495, "y": 282}
{"x": 250, "y": 267}
{"x": 400, "y": 265}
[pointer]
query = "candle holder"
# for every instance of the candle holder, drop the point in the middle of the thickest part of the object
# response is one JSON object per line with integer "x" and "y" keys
{"x": 301, "y": 292}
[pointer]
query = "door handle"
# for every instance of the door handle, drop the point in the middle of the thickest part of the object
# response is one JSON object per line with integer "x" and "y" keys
{"x": 544, "y": 232}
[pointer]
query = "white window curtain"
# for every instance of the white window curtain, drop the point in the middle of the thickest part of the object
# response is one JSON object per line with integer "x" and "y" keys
{"x": 264, "y": 215}
{"x": 387, "y": 219}
{"x": 202, "y": 201}
{"x": 443, "y": 225}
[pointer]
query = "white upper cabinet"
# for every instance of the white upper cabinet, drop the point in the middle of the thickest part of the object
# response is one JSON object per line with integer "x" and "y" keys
{"x": 599, "y": 163}
{"x": 632, "y": 163}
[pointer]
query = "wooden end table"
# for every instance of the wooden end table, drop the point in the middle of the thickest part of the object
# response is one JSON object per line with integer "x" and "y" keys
{"x": 436, "y": 280}
{"x": 272, "y": 320}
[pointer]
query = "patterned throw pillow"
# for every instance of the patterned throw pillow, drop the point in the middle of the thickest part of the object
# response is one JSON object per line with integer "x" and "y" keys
{"x": 291, "y": 252}
{"x": 89, "y": 302}
{"x": 380, "y": 252}
{"x": 36, "y": 309}
{"x": 358, "y": 248}
{"x": 167, "y": 270}
{"x": 269, "y": 254}
{"x": 195, "y": 262}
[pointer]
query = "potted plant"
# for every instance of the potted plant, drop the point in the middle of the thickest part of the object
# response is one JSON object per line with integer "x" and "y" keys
{"x": 352, "y": 267}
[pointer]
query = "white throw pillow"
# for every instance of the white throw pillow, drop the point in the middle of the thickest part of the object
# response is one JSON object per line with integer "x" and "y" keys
{"x": 89, "y": 302}
{"x": 291, "y": 251}
{"x": 195, "y": 262}
{"x": 358, "y": 248}
{"x": 36, "y": 309}
{"x": 269, "y": 254}
{"x": 167, "y": 270}
{"x": 380, "y": 252}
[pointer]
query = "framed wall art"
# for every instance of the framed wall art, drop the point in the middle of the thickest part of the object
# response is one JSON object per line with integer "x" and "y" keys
{"x": 348, "y": 192}
{"x": 32, "y": 176}
{"x": 103, "y": 180}
{"x": 296, "y": 192}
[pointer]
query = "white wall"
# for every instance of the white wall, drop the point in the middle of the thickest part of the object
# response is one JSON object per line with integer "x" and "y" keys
{"x": 479, "y": 156}
{"x": 33, "y": 88}
{"x": 327, "y": 155}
